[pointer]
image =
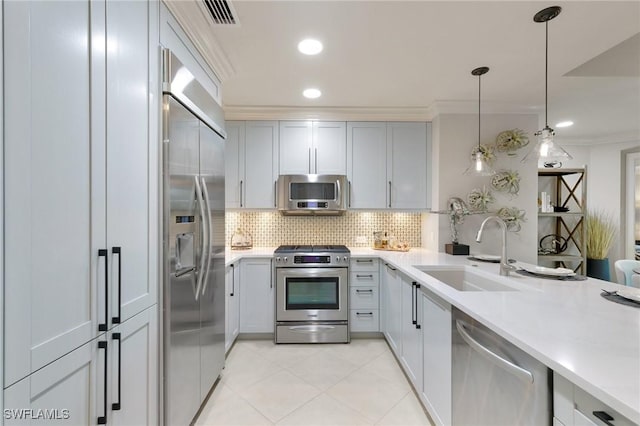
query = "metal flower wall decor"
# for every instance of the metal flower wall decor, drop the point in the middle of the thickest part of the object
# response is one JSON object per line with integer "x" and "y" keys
{"x": 507, "y": 181}
{"x": 510, "y": 141}
{"x": 513, "y": 217}
{"x": 480, "y": 198}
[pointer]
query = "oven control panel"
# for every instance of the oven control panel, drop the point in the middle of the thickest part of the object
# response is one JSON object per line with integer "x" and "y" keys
{"x": 316, "y": 259}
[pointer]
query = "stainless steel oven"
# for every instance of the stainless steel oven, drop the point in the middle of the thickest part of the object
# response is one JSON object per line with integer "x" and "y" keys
{"x": 312, "y": 291}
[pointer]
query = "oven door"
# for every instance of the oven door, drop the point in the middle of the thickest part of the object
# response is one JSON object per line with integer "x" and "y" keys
{"x": 312, "y": 294}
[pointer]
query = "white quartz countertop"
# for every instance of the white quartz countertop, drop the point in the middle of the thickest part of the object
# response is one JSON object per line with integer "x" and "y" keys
{"x": 566, "y": 325}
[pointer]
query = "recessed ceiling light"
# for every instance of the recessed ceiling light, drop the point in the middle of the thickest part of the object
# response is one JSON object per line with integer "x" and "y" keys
{"x": 564, "y": 124}
{"x": 311, "y": 93}
{"x": 310, "y": 46}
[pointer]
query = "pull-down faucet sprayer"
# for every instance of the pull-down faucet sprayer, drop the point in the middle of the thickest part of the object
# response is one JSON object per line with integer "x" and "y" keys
{"x": 505, "y": 267}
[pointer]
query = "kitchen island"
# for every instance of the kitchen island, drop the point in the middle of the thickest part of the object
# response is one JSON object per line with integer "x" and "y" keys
{"x": 567, "y": 325}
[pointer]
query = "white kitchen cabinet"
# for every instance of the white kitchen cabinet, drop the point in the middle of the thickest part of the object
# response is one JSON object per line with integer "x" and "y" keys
{"x": 364, "y": 313}
{"x": 407, "y": 149}
{"x": 411, "y": 358}
{"x": 317, "y": 147}
{"x": 257, "y": 296}
{"x": 367, "y": 165}
{"x": 80, "y": 147}
{"x": 113, "y": 377}
{"x": 232, "y": 305}
{"x": 251, "y": 164}
{"x": 391, "y": 297}
{"x": 436, "y": 352}
{"x": 572, "y": 406}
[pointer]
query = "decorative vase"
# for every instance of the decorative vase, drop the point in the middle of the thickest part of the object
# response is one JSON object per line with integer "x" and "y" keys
{"x": 598, "y": 268}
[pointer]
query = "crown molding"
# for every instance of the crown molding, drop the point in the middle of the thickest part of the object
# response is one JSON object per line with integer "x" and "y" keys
{"x": 195, "y": 22}
{"x": 488, "y": 107}
{"x": 232, "y": 112}
{"x": 626, "y": 137}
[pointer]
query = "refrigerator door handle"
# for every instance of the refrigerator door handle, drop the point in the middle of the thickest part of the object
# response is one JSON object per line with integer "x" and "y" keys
{"x": 207, "y": 236}
{"x": 203, "y": 234}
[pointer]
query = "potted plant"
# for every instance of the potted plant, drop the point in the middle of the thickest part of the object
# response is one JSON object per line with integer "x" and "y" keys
{"x": 601, "y": 230}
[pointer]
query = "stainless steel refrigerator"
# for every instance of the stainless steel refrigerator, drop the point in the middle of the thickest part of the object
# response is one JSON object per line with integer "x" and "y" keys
{"x": 193, "y": 242}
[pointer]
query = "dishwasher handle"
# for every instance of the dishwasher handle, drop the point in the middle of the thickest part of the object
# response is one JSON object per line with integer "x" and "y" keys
{"x": 507, "y": 365}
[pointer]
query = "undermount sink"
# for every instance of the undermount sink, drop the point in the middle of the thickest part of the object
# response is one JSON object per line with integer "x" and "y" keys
{"x": 462, "y": 279}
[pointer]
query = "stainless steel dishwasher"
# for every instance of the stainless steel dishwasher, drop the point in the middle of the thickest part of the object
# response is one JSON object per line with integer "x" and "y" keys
{"x": 493, "y": 381}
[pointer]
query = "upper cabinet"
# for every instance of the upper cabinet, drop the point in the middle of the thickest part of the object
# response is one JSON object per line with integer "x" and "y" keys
{"x": 388, "y": 165}
{"x": 251, "y": 152}
{"x": 317, "y": 147}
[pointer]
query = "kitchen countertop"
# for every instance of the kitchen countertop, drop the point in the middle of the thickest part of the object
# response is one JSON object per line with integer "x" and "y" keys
{"x": 567, "y": 325}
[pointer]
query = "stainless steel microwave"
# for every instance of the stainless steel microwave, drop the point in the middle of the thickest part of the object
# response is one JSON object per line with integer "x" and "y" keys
{"x": 312, "y": 194}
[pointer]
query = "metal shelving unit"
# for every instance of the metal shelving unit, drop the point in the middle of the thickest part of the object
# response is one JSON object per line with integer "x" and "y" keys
{"x": 569, "y": 189}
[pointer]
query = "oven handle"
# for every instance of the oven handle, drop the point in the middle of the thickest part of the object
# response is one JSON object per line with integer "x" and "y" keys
{"x": 312, "y": 272}
{"x": 310, "y": 329}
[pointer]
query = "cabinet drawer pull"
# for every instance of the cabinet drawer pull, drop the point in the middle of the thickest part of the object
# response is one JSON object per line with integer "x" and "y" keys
{"x": 365, "y": 314}
{"x": 389, "y": 194}
{"x": 604, "y": 417}
{"x": 416, "y": 302}
{"x": 118, "y": 251}
{"x": 364, "y": 276}
{"x": 364, "y": 260}
{"x": 116, "y": 405}
{"x": 364, "y": 291}
{"x": 391, "y": 267}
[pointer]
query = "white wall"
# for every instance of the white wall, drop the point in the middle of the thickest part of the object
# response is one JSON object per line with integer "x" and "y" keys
{"x": 452, "y": 131}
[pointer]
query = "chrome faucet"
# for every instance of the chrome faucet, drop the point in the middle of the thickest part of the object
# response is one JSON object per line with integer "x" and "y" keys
{"x": 505, "y": 268}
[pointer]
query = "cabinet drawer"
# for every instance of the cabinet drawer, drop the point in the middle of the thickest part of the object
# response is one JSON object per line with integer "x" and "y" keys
{"x": 364, "y": 264}
{"x": 586, "y": 405}
{"x": 364, "y": 320}
{"x": 364, "y": 278}
{"x": 363, "y": 297}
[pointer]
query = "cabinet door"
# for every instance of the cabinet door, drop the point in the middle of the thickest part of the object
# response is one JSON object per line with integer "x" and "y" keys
{"x": 411, "y": 334}
{"x": 407, "y": 165}
{"x": 54, "y": 196}
{"x": 257, "y": 296}
{"x": 134, "y": 370}
{"x": 69, "y": 390}
{"x": 392, "y": 308}
{"x": 329, "y": 148}
{"x": 295, "y": 147}
{"x": 367, "y": 165}
{"x": 436, "y": 340}
{"x": 234, "y": 163}
{"x": 232, "y": 305}
{"x": 129, "y": 146}
{"x": 261, "y": 164}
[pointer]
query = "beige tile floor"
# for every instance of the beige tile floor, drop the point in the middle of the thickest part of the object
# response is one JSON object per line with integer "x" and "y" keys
{"x": 355, "y": 384}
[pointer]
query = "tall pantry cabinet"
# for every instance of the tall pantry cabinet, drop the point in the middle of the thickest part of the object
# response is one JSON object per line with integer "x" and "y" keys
{"x": 80, "y": 217}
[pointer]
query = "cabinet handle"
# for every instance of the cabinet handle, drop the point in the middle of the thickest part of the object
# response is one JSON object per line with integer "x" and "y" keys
{"x": 105, "y": 253}
{"x": 275, "y": 194}
{"x": 364, "y": 260}
{"x": 118, "y": 251}
{"x": 102, "y": 420}
{"x": 391, "y": 267}
{"x": 316, "y": 160}
{"x": 233, "y": 280}
{"x": 389, "y": 194}
{"x": 364, "y": 276}
{"x": 349, "y": 193}
{"x": 116, "y": 405}
{"x": 241, "y": 182}
{"x": 368, "y": 314}
{"x": 309, "y": 160}
{"x": 272, "y": 273}
{"x": 413, "y": 304}
{"x": 416, "y": 302}
{"x": 364, "y": 291}
{"x": 604, "y": 417}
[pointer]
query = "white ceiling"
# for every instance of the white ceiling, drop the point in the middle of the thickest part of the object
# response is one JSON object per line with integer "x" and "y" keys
{"x": 419, "y": 54}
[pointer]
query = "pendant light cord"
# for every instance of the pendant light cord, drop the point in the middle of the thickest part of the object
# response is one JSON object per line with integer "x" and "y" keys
{"x": 479, "y": 79}
{"x": 546, "y": 73}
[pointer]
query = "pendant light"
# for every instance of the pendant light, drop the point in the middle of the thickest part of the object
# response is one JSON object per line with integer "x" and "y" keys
{"x": 479, "y": 165}
{"x": 546, "y": 149}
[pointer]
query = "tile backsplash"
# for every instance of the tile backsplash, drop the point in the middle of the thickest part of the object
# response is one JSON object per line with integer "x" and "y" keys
{"x": 271, "y": 229}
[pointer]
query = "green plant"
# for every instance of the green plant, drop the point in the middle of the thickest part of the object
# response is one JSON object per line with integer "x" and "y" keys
{"x": 601, "y": 231}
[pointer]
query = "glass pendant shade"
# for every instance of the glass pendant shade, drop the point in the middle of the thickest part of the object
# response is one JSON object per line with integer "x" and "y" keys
{"x": 546, "y": 149}
{"x": 479, "y": 166}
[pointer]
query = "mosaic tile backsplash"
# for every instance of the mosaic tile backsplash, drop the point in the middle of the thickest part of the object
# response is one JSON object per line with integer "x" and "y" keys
{"x": 271, "y": 229}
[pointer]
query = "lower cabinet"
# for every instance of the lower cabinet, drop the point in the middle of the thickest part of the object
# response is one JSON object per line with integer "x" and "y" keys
{"x": 391, "y": 307}
{"x": 436, "y": 344}
{"x": 112, "y": 380}
{"x": 572, "y": 406}
{"x": 232, "y": 305}
{"x": 257, "y": 296}
{"x": 411, "y": 331}
{"x": 364, "y": 295}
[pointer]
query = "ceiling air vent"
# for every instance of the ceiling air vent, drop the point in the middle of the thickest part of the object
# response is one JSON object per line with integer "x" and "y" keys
{"x": 221, "y": 12}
